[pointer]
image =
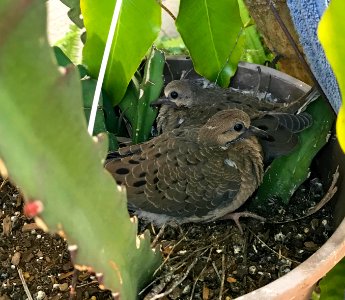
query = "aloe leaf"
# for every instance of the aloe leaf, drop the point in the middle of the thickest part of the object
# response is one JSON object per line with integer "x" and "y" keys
{"x": 138, "y": 27}
{"x": 212, "y": 32}
{"x": 331, "y": 35}
{"x": 48, "y": 153}
{"x": 286, "y": 173}
{"x": 136, "y": 103}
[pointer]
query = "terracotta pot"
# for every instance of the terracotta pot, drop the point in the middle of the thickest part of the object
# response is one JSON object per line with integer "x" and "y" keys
{"x": 299, "y": 283}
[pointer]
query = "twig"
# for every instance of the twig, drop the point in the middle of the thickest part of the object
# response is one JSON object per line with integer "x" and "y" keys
{"x": 160, "y": 278}
{"x": 169, "y": 69}
{"x": 3, "y": 183}
{"x": 328, "y": 196}
{"x": 216, "y": 270}
{"x": 88, "y": 283}
{"x": 257, "y": 88}
{"x": 168, "y": 256}
{"x": 177, "y": 282}
{"x": 202, "y": 271}
{"x": 26, "y": 289}
{"x": 223, "y": 277}
{"x": 158, "y": 235}
{"x": 166, "y": 9}
{"x": 73, "y": 293}
{"x": 268, "y": 86}
{"x": 268, "y": 247}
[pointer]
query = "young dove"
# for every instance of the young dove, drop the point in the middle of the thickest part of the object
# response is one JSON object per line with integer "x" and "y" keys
{"x": 195, "y": 173}
{"x": 187, "y": 103}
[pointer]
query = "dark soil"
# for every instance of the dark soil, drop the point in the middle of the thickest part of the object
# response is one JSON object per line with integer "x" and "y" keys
{"x": 43, "y": 258}
{"x": 208, "y": 260}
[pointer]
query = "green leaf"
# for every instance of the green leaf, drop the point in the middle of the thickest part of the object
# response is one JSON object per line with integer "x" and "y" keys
{"x": 71, "y": 44}
{"x": 171, "y": 45}
{"x": 331, "y": 35}
{"x": 74, "y": 12}
{"x": 212, "y": 32}
{"x": 136, "y": 103}
{"x": 50, "y": 156}
{"x": 62, "y": 59}
{"x": 254, "y": 50}
{"x": 333, "y": 285}
{"x": 286, "y": 173}
{"x": 138, "y": 26}
{"x": 88, "y": 88}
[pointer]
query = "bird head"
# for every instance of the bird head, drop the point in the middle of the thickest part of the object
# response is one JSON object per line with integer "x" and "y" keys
{"x": 228, "y": 127}
{"x": 178, "y": 94}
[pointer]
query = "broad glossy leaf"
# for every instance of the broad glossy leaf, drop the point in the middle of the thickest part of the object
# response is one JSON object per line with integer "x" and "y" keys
{"x": 212, "y": 32}
{"x": 138, "y": 27}
{"x": 331, "y": 35}
{"x": 50, "y": 156}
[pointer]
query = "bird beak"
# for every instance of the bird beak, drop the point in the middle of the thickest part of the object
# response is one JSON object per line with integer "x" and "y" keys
{"x": 163, "y": 101}
{"x": 252, "y": 130}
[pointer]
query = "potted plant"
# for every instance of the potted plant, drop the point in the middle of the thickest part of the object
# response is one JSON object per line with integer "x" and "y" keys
{"x": 53, "y": 158}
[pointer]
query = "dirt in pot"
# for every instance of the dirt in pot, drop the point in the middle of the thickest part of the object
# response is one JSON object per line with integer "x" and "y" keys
{"x": 41, "y": 259}
{"x": 215, "y": 261}
{"x": 201, "y": 261}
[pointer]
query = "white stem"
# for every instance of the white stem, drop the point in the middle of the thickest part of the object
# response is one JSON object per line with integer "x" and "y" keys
{"x": 103, "y": 66}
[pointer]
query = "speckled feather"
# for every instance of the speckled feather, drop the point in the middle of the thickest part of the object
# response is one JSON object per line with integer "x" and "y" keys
{"x": 191, "y": 174}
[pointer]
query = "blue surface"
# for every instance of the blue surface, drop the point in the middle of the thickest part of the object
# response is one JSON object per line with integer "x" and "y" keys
{"x": 306, "y": 15}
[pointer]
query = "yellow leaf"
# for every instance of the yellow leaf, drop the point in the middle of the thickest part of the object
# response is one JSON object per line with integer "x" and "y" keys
{"x": 331, "y": 35}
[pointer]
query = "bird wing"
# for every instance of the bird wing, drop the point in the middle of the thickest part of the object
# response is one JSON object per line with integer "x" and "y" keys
{"x": 295, "y": 123}
{"x": 282, "y": 132}
{"x": 173, "y": 175}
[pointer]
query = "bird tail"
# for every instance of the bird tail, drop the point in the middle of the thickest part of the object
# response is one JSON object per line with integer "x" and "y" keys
{"x": 300, "y": 104}
{"x": 309, "y": 97}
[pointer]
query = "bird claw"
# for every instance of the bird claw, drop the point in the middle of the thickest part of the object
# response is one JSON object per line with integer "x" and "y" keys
{"x": 246, "y": 214}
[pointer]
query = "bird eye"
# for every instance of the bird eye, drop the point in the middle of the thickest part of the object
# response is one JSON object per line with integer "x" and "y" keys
{"x": 173, "y": 94}
{"x": 238, "y": 127}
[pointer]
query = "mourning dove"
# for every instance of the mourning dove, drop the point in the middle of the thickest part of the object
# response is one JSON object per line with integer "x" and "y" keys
{"x": 187, "y": 103}
{"x": 192, "y": 174}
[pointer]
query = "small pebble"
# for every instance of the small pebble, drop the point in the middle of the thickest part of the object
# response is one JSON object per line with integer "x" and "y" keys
{"x": 63, "y": 287}
{"x": 279, "y": 237}
{"x": 56, "y": 286}
{"x": 40, "y": 295}
{"x": 252, "y": 270}
{"x": 237, "y": 249}
{"x": 15, "y": 259}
